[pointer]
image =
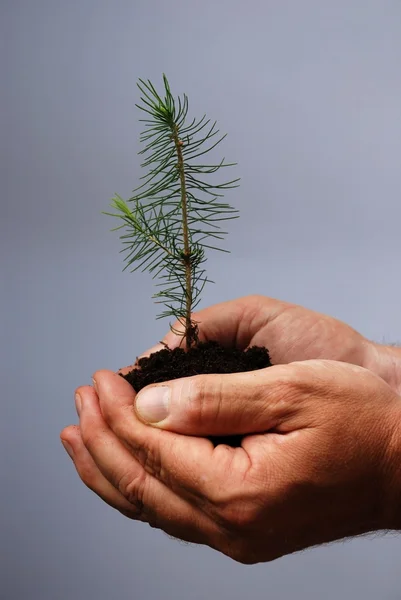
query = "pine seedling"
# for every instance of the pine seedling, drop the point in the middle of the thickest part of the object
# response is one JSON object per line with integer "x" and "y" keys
{"x": 175, "y": 215}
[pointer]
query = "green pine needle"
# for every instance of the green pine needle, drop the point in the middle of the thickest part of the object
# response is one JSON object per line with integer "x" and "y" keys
{"x": 175, "y": 211}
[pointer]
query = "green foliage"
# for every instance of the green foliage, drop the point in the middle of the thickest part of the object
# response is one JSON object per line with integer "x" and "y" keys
{"x": 175, "y": 215}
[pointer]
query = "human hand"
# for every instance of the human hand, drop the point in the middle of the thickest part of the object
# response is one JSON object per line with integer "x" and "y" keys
{"x": 291, "y": 333}
{"x": 322, "y": 463}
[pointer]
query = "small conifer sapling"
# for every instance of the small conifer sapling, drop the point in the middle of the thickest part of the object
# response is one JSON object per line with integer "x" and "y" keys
{"x": 173, "y": 219}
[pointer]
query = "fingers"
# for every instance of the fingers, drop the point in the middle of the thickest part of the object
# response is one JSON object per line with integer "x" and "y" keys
{"x": 191, "y": 466}
{"x": 198, "y": 529}
{"x": 218, "y": 405}
{"x": 150, "y": 499}
{"x": 90, "y": 474}
{"x": 233, "y": 323}
{"x": 237, "y": 323}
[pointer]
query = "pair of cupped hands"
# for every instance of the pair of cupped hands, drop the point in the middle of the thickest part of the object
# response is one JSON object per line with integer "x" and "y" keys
{"x": 321, "y": 456}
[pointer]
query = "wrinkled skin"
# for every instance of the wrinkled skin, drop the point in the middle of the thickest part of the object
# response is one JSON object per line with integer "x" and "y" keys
{"x": 319, "y": 461}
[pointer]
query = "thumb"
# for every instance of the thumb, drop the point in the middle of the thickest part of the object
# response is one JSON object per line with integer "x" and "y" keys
{"x": 203, "y": 405}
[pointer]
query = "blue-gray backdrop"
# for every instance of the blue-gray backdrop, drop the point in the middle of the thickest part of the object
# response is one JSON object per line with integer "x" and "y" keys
{"x": 310, "y": 94}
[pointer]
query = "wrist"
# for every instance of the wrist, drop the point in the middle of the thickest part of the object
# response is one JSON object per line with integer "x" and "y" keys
{"x": 385, "y": 361}
{"x": 392, "y": 473}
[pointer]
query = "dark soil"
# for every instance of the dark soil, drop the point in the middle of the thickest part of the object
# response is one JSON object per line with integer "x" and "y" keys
{"x": 204, "y": 358}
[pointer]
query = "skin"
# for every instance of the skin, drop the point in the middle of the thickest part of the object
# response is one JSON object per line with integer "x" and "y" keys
{"x": 320, "y": 459}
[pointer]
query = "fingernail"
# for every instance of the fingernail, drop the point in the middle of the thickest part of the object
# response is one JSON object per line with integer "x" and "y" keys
{"x": 152, "y": 404}
{"x": 94, "y": 384}
{"x": 78, "y": 403}
{"x": 68, "y": 448}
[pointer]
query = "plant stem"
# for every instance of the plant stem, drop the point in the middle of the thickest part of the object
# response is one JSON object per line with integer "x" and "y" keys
{"x": 189, "y": 329}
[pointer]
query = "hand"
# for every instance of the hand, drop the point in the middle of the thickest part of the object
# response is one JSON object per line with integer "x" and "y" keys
{"x": 291, "y": 333}
{"x": 324, "y": 466}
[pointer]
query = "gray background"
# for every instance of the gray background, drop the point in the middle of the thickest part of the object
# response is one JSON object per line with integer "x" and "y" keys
{"x": 310, "y": 94}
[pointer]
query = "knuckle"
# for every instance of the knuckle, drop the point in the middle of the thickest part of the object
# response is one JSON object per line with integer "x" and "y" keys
{"x": 133, "y": 488}
{"x": 291, "y": 383}
{"x": 151, "y": 463}
{"x": 204, "y": 400}
{"x": 149, "y": 459}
